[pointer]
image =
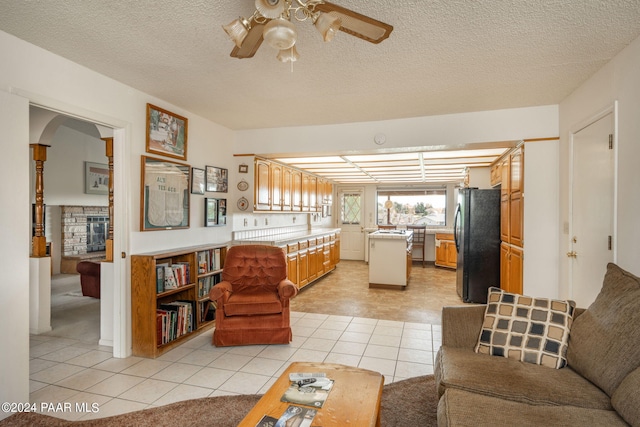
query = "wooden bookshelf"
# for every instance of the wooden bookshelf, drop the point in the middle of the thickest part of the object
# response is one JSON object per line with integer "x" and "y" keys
{"x": 147, "y": 295}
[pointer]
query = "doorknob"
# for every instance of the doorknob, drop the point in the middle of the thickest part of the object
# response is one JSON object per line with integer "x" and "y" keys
{"x": 572, "y": 254}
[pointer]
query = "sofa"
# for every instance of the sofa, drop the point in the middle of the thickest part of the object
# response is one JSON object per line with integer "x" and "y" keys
{"x": 596, "y": 381}
{"x": 89, "y": 278}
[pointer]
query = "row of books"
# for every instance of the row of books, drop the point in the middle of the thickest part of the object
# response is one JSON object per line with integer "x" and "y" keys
{"x": 206, "y": 283}
{"x": 209, "y": 260}
{"x": 172, "y": 276}
{"x": 173, "y": 320}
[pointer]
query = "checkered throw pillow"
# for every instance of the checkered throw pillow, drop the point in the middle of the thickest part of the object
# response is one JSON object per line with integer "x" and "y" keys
{"x": 532, "y": 330}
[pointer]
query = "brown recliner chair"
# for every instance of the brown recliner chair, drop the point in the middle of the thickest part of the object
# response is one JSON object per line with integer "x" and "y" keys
{"x": 253, "y": 297}
{"x": 89, "y": 278}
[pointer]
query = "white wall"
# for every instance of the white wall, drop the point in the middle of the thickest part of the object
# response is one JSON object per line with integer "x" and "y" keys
{"x": 451, "y": 130}
{"x": 618, "y": 80}
{"x": 15, "y": 229}
{"x": 30, "y": 74}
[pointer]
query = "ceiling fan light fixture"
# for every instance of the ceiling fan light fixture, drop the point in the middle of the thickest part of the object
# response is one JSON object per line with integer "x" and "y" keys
{"x": 288, "y": 55}
{"x": 327, "y": 25}
{"x": 270, "y": 9}
{"x": 237, "y": 30}
{"x": 280, "y": 34}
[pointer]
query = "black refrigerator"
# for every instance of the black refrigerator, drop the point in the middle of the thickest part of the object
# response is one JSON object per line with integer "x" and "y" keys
{"x": 477, "y": 238}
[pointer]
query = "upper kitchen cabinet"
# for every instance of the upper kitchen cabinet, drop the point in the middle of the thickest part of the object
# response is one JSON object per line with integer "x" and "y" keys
{"x": 281, "y": 188}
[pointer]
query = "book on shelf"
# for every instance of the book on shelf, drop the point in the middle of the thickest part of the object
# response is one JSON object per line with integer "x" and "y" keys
{"x": 172, "y": 276}
{"x": 209, "y": 260}
{"x": 174, "y": 319}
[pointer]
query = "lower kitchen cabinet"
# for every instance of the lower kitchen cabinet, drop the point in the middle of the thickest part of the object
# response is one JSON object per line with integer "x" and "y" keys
{"x": 446, "y": 254}
{"x": 511, "y": 261}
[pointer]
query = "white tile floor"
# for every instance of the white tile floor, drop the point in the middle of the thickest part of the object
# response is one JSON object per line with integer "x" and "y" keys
{"x": 68, "y": 371}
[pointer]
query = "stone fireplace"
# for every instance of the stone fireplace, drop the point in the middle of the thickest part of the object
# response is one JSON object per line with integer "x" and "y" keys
{"x": 84, "y": 233}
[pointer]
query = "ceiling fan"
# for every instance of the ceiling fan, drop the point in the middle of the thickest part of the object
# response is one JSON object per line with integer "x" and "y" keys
{"x": 272, "y": 22}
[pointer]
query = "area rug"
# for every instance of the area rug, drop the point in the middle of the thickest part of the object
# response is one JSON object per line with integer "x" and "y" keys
{"x": 411, "y": 402}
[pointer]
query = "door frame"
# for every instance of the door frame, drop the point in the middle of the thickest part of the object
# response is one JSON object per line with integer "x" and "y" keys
{"x": 610, "y": 109}
{"x": 121, "y": 175}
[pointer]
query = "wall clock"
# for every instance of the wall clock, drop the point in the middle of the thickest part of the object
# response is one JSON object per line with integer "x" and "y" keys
{"x": 243, "y": 204}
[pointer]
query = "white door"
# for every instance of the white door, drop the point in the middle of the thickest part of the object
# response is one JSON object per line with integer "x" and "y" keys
{"x": 352, "y": 234}
{"x": 592, "y": 196}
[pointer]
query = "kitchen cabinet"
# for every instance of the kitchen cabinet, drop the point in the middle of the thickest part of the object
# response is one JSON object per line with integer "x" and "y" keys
{"x": 511, "y": 261}
{"x": 281, "y": 188}
{"x": 512, "y": 220}
{"x": 262, "y": 185}
{"x": 446, "y": 253}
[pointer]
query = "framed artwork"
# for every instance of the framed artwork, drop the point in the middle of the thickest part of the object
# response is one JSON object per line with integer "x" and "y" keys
{"x": 217, "y": 179}
{"x": 198, "y": 181}
{"x": 164, "y": 194}
{"x": 243, "y": 168}
{"x": 215, "y": 212}
{"x": 96, "y": 178}
{"x": 166, "y": 133}
{"x": 210, "y": 212}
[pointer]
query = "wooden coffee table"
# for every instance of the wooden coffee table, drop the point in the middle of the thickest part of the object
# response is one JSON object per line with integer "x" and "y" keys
{"x": 354, "y": 399}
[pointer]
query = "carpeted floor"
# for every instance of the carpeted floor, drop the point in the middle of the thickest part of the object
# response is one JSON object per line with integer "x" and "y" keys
{"x": 412, "y": 402}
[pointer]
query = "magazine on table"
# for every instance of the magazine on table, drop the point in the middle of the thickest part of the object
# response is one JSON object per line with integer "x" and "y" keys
{"x": 296, "y": 416}
{"x": 308, "y": 395}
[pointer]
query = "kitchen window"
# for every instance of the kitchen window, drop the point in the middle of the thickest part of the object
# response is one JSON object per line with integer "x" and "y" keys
{"x": 416, "y": 207}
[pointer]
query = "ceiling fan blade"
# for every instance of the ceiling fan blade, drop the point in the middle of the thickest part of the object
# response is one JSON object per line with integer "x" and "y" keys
{"x": 250, "y": 44}
{"x": 356, "y": 24}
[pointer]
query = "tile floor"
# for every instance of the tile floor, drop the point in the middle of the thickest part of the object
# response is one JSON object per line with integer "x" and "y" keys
{"x": 69, "y": 371}
{"x": 395, "y": 332}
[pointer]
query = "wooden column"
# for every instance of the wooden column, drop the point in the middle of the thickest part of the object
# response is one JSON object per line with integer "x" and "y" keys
{"x": 39, "y": 241}
{"x": 109, "y": 240}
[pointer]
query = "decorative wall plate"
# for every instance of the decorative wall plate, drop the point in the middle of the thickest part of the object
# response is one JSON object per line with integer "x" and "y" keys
{"x": 243, "y": 185}
{"x": 243, "y": 204}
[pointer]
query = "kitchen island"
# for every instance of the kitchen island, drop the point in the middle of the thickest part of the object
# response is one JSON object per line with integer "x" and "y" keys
{"x": 390, "y": 258}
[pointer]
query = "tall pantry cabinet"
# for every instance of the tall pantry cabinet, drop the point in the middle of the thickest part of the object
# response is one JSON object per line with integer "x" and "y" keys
{"x": 508, "y": 172}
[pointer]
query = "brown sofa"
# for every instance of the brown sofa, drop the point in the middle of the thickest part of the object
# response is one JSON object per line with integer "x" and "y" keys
{"x": 89, "y": 278}
{"x": 253, "y": 297}
{"x": 599, "y": 387}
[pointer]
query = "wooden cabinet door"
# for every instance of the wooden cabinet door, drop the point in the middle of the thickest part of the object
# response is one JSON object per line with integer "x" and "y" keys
{"x": 306, "y": 188}
{"x": 275, "y": 171}
{"x": 516, "y": 258}
{"x": 441, "y": 257}
{"x": 313, "y": 194}
{"x": 451, "y": 254}
{"x": 262, "y": 185}
{"x": 313, "y": 263}
{"x": 296, "y": 190}
{"x": 504, "y": 219}
{"x": 504, "y": 267}
{"x": 287, "y": 195}
{"x": 303, "y": 267}
{"x": 292, "y": 268}
{"x": 505, "y": 194}
{"x": 516, "y": 202}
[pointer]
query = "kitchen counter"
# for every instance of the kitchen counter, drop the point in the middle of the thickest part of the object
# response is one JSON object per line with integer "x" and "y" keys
{"x": 283, "y": 239}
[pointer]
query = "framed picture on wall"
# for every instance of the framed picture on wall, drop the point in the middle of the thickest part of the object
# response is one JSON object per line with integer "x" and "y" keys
{"x": 96, "y": 178}
{"x": 210, "y": 212}
{"x": 215, "y": 212}
{"x": 217, "y": 179}
{"x": 166, "y": 133}
{"x": 198, "y": 181}
{"x": 164, "y": 196}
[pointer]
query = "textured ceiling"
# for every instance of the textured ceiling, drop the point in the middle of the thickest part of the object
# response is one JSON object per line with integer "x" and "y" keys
{"x": 442, "y": 57}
